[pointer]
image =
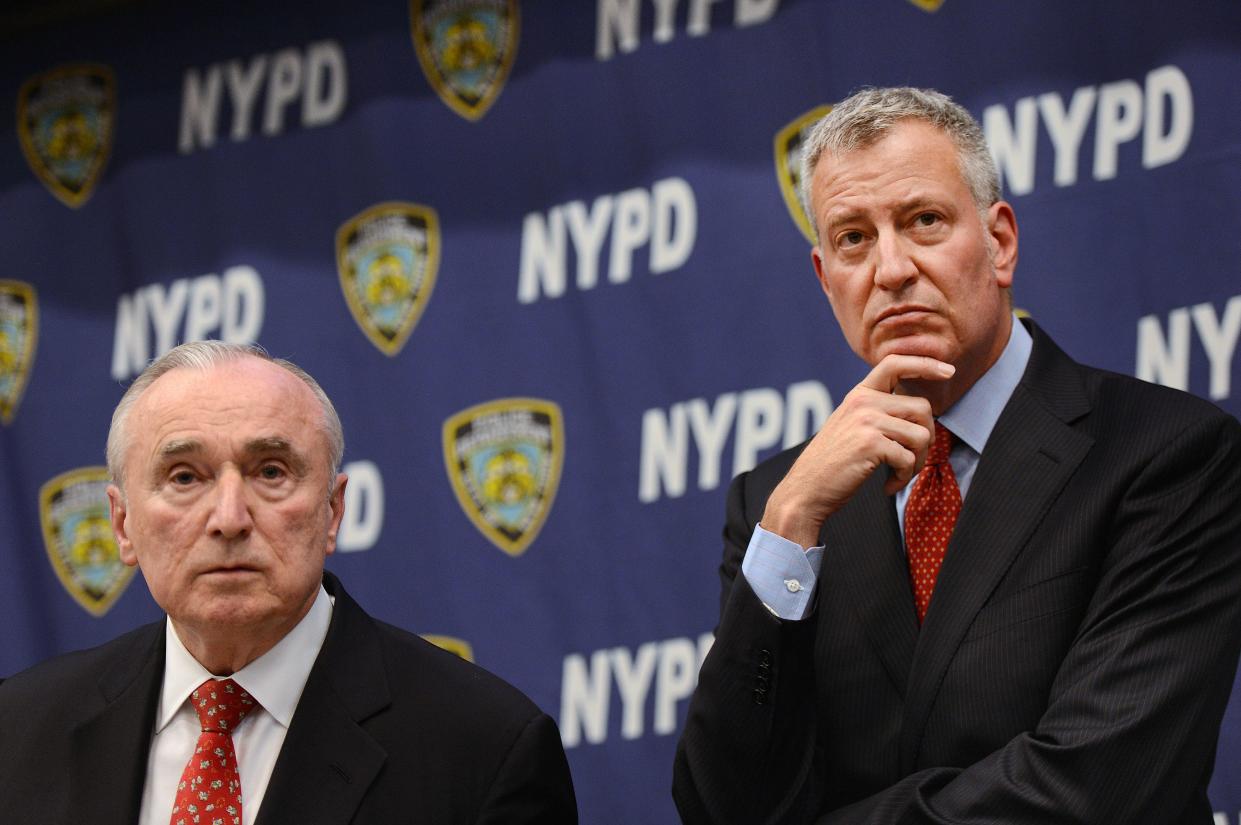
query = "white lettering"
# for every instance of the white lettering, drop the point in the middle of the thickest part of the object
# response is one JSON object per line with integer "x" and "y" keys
{"x": 1066, "y": 130}
{"x": 1012, "y": 147}
{"x": 758, "y": 426}
{"x": 1167, "y": 87}
{"x": 674, "y": 209}
{"x": 617, "y": 27}
{"x": 710, "y": 429}
{"x": 327, "y": 84}
{"x": 200, "y": 101}
{"x": 631, "y": 229}
{"x": 1119, "y": 121}
{"x": 752, "y": 12}
{"x": 665, "y": 449}
{"x": 542, "y": 257}
{"x": 1219, "y": 339}
{"x": 1164, "y": 360}
{"x": 633, "y": 681}
{"x": 364, "y": 508}
{"x": 584, "y": 699}
{"x": 588, "y": 229}
{"x": 243, "y": 87}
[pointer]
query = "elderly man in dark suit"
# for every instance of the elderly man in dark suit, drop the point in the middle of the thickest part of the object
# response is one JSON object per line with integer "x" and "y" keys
{"x": 997, "y": 586}
{"x": 268, "y": 696}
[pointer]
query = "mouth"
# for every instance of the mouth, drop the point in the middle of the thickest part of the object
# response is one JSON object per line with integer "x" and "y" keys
{"x": 902, "y": 314}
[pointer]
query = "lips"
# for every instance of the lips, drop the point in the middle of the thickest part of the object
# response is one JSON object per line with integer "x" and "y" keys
{"x": 897, "y": 312}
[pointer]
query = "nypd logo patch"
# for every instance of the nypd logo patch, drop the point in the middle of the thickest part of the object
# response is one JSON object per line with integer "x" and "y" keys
{"x": 65, "y": 121}
{"x": 503, "y": 459}
{"x": 19, "y": 331}
{"x": 466, "y": 48}
{"x": 788, "y": 143}
{"x": 78, "y": 535}
{"x": 387, "y": 258}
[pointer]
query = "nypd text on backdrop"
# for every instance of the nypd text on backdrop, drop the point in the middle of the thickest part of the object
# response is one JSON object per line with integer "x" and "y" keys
{"x": 666, "y": 217}
{"x": 619, "y": 21}
{"x": 760, "y": 419}
{"x": 228, "y": 307}
{"x": 316, "y": 75}
{"x": 670, "y": 665}
{"x": 1161, "y": 111}
{"x": 1164, "y": 357}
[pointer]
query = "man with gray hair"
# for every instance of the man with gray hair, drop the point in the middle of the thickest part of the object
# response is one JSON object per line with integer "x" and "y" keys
{"x": 997, "y": 586}
{"x": 267, "y": 695}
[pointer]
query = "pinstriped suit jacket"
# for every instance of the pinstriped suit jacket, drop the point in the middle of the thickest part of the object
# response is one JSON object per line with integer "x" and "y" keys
{"x": 1074, "y": 664}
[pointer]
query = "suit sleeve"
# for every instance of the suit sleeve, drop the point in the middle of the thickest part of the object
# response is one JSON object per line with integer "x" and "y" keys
{"x": 533, "y": 784}
{"x": 1132, "y": 718}
{"x": 747, "y": 747}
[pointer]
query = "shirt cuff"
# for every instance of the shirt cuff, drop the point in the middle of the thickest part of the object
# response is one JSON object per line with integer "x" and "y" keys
{"x": 782, "y": 573}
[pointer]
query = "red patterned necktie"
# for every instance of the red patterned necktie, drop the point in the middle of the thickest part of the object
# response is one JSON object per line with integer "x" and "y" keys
{"x": 930, "y": 514}
{"x": 210, "y": 788}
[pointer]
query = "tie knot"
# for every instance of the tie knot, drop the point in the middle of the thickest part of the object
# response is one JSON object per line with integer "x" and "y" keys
{"x": 941, "y": 446}
{"x": 221, "y": 705}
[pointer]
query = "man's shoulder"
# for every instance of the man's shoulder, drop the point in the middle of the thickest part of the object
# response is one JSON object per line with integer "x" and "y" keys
{"x": 434, "y": 675}
{"x": 69, "y": 670}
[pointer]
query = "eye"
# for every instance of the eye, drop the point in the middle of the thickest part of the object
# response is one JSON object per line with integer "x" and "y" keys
{"x": 851, "y": 238}
{"x": 182, "y": 478}
{"x": 271, "y": 472}
{"x": 927, "y": 219}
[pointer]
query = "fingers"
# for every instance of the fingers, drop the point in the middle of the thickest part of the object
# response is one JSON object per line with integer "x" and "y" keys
{"x": 893, "y": 369}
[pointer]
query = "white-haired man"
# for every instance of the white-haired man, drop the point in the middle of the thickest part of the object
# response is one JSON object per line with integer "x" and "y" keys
{"x": 268, "y": 696}
{"x": 997, "y": 586}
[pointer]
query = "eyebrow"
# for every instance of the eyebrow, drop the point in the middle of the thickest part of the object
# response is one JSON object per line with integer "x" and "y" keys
{"x": 254, "y": 447}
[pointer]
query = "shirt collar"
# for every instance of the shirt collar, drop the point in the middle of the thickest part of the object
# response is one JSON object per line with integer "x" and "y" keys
{"x": 973, "y": 417}
{"x": 275, "y": 679}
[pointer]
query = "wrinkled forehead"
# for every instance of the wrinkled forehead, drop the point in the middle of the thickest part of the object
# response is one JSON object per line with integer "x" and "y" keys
{"x": 245, "y": 397}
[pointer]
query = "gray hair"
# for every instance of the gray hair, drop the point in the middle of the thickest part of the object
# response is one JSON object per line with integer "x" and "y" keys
{"x": 868, "y": 115}
{"x": 203, "y": 355}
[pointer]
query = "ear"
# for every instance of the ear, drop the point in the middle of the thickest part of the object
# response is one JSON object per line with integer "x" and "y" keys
{"x": 1002, "y": 230}
{"x": 336, "y": 502}
{"x": 820, "y": 270}
{"x": 117, "y": 512}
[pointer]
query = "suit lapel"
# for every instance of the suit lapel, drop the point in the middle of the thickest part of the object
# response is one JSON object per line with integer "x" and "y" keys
{"x": 1029, "y": 458}
{"x": 863, "y": 550}
{"x": 113, "y": 741}
{"x": 328, "y": 760}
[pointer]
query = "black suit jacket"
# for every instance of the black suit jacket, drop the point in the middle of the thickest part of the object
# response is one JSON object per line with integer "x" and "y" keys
{"x": 1076, "y": 658}
{"x": 389, "y": 729}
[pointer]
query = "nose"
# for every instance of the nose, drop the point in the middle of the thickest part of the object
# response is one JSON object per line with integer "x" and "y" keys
{"x": 230, "y": 512}
{"x": 895, "y": 268}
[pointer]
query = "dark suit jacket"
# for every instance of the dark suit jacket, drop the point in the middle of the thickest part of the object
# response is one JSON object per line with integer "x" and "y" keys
{"x": 1074, "y": 664}
{"x": 389, "y": 729}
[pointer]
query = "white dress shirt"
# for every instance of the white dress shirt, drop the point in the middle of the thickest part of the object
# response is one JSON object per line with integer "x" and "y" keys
{"x": 275, "y": 680}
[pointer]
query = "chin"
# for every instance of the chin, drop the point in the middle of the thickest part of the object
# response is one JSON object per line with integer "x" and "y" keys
{"x": 928, "y": 345}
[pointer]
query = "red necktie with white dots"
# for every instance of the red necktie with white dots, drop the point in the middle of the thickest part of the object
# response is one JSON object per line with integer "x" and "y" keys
{"x": 210, "y": 788}
{"x": 930, "y": 514}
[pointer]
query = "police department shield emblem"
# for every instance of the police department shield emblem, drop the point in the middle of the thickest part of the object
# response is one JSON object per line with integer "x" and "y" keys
{"x": 788, "y": 145}
{"x": 504, "y": 458}
{"x": 78, "y": 536}
{"x": 65, "y": 120}
{"x": 388, "y": 257}
{"x": 19, "y": 331}
{"x": 466, "y": 48}
{"x": 452, "y": 644}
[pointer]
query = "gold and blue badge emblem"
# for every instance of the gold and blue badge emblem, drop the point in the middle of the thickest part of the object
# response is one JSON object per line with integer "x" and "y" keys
{"x": 788, "y": 145}
{"x": 452, "y": 644}
{"x": 466, "y": 48}
{"x": 65, "y": 121}
{"x": 387, "y": 258}
{"x": 77, "y": 532}
{"x": 19, "y": 332}
{"x": 928, "y": 5}
{"x": 504, "y": 458}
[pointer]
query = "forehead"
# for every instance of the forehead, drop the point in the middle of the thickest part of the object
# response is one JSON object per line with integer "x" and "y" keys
{"x": 913, "y": 157}
{"x": 244, "y": 399}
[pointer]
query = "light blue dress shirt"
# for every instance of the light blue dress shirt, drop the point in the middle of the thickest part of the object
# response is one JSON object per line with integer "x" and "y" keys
{"x": 783, "y": 574}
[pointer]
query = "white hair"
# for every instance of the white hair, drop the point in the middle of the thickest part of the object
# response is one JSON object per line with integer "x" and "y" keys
{"x": 203, "y": 355}
{"x": 868, "y": 115}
